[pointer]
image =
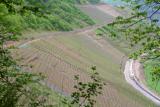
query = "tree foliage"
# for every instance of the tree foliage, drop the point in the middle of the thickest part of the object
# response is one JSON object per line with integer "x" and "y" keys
{"x": 17, "y": 86}
{"x": 86, "y": 92}
{"x": 156, "y": 74}
{"x": 140, "y": 28}
{"x": 42, "y": 14}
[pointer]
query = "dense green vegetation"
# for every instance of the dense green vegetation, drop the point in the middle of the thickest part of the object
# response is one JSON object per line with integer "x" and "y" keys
{"x": 140, "y": 30}
{"x": 17, "y": 87}
{"x": 48, "y": 15}
{"x": 149, "y": 66}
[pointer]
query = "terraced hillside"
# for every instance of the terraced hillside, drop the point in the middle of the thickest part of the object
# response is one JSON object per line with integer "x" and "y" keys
{"x": 62, "y": 56}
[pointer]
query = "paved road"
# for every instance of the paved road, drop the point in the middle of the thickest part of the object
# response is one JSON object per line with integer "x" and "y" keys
{"x": 137, "y": 85}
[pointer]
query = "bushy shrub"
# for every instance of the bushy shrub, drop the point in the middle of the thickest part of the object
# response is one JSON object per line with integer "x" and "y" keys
{"x": 48, "y": 15}
{"x": 58, "y": 23}
{"x": 13, "y": 22}
{"x": 34, "y": 22}
{"x": 3, "y": 10}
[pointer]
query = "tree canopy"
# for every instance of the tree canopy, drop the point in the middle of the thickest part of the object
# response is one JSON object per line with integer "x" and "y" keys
{"x": 140, "y": 28}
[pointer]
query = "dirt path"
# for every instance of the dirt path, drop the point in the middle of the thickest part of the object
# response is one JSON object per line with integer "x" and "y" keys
{"x": 131, "y": 78}
{"x": 24, "y": 43}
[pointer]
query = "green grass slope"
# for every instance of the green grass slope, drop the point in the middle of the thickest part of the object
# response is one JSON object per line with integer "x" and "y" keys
{"x": 43, "y": 15}
{"x": 148, "y": 68}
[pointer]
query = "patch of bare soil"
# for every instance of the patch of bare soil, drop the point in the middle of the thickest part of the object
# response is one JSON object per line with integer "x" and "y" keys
{"x": 96, "y": 14}
{"x": 108, "y": 9}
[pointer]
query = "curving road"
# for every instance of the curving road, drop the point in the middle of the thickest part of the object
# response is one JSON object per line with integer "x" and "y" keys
{"x": 132, "y": 80}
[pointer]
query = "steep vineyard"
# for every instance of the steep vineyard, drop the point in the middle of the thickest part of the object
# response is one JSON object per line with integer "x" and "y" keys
{"x": 59, "y": 61}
